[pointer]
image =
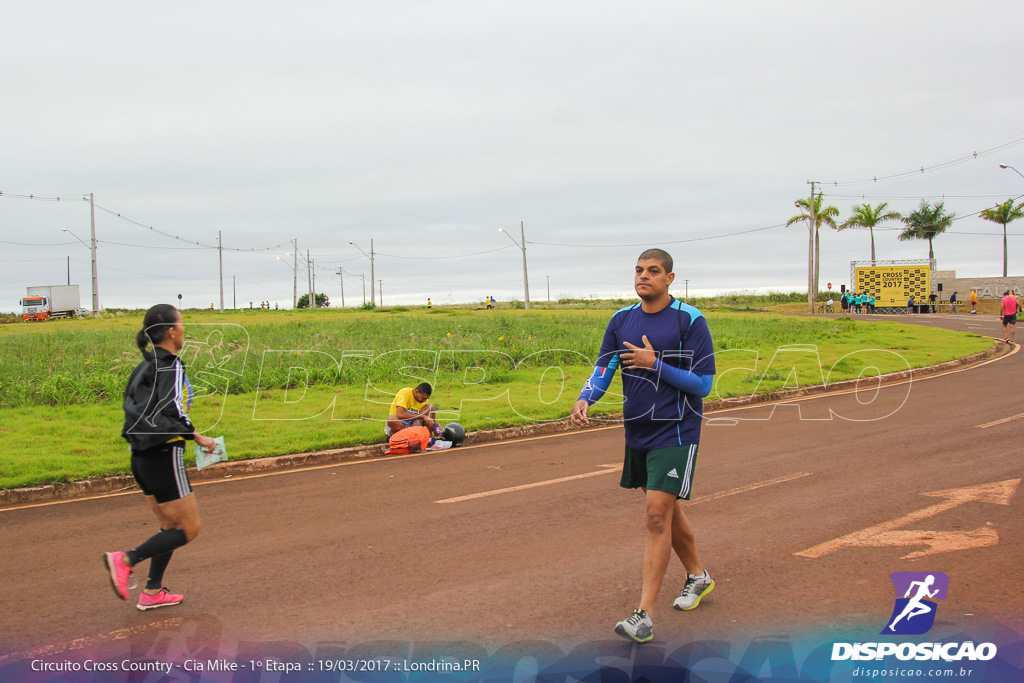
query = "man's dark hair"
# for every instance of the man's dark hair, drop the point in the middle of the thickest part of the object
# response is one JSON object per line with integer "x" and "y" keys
{"x": 658, "y": 255}
{"x": 425, "y": 388}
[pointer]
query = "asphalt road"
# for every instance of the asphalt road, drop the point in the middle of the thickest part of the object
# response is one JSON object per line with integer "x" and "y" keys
{"x": 800, "y": 515}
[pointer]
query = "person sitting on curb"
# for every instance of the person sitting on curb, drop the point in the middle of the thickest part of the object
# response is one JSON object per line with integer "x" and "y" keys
{"x": 410, "y": 408}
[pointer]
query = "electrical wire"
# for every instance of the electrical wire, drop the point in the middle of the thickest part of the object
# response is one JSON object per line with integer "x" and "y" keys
{"x": 38, "y": 244}
{"x": 943, "y": 197}
{"x": 1012, "y": 142}
{"x": 148, "y": 246}
{"x": 647, "y": 244}
{"x": 180, "y": 239}
{"x": 14, "y": 195}
{"x": 433, "y": 258}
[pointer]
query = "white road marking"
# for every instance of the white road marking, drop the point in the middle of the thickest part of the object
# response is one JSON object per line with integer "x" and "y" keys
{"x": 483, "y": 494}
{"x": 618, "y": 468}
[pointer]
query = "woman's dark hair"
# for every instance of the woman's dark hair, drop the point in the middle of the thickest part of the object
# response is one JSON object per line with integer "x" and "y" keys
{"x": 158, "y": 320}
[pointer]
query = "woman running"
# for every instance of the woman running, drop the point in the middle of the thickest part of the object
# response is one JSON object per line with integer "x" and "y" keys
{"x": 157, "y": 427}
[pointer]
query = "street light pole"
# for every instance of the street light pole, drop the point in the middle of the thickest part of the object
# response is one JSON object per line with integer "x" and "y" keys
{"x": 341, "y": 279}
{"x": 95, "y": 297}
{"x": 811, "y": 294}
{"x": 220, "y": 250}
{"x": 369, "y": 256}
{"x": 1005, "y": 166}
{"x": 95, "y": 275}
{"x": 295, "y": 274}
{"x": 526, "y": 279}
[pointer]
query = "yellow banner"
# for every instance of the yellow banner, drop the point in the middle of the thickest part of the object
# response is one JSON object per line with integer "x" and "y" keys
{"x": 893, "y": 285}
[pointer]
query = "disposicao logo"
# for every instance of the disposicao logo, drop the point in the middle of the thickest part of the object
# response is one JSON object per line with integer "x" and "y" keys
{"x": 914, "y": 613}
{"x": 917, "y": 594}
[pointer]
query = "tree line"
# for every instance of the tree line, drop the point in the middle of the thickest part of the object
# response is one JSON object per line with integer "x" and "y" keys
{"x": 927, "y": 222}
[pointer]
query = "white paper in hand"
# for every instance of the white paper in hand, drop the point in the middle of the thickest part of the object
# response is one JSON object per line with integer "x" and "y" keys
{"x": 204, "y": 459}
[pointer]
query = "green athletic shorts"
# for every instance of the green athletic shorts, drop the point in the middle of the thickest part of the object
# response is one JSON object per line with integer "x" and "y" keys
{"x": 663, "y": 469}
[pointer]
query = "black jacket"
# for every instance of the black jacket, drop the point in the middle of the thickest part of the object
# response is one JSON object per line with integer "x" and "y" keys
{"x": 153, "y": 411}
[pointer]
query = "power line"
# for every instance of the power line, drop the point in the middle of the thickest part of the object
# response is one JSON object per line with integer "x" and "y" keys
{"x": 432, "y": 258}
{"x": 147, "y": 246}
{"x": 180, "y": 239}
{"x": 1013, "y": 142}
{"x": 924, "y": 196}
{"x": 42, "y": 198}
{"x": 647, "y": 244}
{"x": 38, "y": 244}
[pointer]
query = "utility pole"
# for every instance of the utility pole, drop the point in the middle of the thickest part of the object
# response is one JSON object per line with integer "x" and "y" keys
{"x": 69, "y": 270}
{"x": 309, "y": 281}
{"x": 341, "y": 279}
{"x": 526, "y": 281}
{"x": 95, "y": 276}
{"x": 380, "y": 283}
{"x": 363, "y": 275}
{"x": 312, "y": 269}
{"x": 295, "y": 274}
{"x": 687, "y": 295}
{"x": 811, "y": 294}
{"x": 370, "y": 256}
{"x": 548, "y": 277}
{"x": 220, "y": 251}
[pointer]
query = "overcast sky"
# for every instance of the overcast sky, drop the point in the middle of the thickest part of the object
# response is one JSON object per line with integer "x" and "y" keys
{"x": 426, "y": 126}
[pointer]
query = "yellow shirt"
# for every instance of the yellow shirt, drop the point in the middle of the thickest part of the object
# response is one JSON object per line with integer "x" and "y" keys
{"x": 405, "y": 399}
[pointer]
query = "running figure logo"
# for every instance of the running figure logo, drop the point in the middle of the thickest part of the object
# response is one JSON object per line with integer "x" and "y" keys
{"x": 914, "y": 613}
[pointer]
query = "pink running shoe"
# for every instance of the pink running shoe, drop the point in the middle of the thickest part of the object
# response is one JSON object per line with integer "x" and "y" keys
{"x": 119, "y": 573}
{"x": 161, "y": 599}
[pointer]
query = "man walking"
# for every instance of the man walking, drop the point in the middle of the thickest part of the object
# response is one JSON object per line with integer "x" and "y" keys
{"x": 668, "y": 363}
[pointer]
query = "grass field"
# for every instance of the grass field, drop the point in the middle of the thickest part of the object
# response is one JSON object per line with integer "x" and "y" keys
{"x": 285, "y": 381}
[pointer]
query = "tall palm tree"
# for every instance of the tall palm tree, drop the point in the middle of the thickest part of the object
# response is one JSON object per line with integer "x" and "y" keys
{"x": 864, "y": 216}
{"x": 1004, "y": 213}
{"x": 927, "y": 222}
{"x": 826, "y": 215}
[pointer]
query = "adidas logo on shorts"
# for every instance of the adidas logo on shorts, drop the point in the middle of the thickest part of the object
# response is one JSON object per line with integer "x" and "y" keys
{"x": 672, "y": 473}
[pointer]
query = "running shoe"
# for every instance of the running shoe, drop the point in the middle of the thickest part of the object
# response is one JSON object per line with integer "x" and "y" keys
{"x": 695, "y": 588}
{"x": 118, "y": 572}
{"x": 161, "y": 599}
{"x": 638, "y": 627}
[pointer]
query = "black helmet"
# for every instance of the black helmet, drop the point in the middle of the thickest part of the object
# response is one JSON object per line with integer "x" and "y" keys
{"x": 454, "y": 432}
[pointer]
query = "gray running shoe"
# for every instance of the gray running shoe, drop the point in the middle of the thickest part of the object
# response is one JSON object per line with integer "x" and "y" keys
{"x": 638, "y": 627}
{"x": 694, "y": 589}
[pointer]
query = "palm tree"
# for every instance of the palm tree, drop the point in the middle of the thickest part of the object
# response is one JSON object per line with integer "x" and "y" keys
{"x": 864, "y": 216}
{"x": 926, "y": 223}
{"x": 826, "y": 215}
{"x": 1004, "y": 213}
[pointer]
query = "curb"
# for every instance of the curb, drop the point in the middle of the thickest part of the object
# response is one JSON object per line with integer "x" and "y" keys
{"x": 119, "y": 484}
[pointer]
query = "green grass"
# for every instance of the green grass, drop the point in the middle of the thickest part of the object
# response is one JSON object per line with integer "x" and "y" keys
{"x": 308, "y": 380}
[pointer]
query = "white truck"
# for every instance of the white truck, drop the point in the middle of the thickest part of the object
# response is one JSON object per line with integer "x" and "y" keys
{"x": 50, "y": 301}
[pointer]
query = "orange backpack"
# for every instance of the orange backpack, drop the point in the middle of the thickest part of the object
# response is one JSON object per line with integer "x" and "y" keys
{"x": 408, "y": 440}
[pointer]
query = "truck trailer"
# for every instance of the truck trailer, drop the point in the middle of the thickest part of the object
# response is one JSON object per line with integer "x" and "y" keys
{"x": 50, "y": 301}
